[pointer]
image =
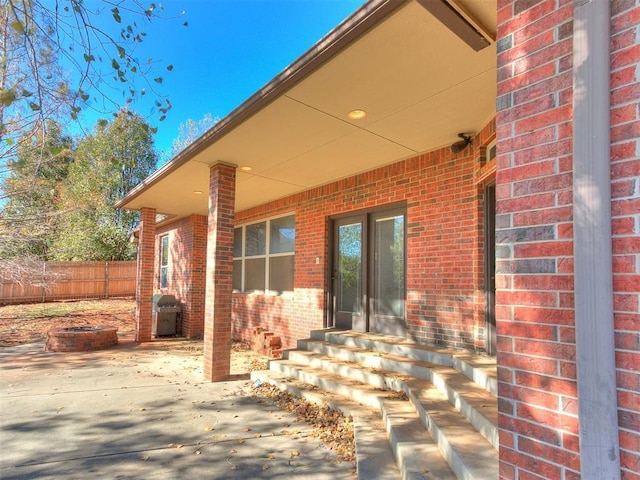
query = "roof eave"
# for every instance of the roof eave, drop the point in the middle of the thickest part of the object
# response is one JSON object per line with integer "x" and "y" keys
{"x": 363, "y": 19}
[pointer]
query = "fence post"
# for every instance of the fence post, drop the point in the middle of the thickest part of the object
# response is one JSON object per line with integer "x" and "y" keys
{"x": 106, "y": 279}
{"x": 41, "y": 288}
{"x": 44, "y": 282}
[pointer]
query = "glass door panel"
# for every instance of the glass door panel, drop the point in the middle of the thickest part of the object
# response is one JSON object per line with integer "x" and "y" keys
{"x": 388, "y": 275}
{"x": 350, "y": 267}
{"x": 389, "y": 267}
{"x": 348, "y": 274}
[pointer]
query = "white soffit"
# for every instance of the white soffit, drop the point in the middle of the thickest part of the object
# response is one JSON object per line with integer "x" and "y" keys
{"x": 418, "y": 82}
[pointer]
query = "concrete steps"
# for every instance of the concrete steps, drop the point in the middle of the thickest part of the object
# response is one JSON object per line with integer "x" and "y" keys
{"x": 438, "y": 407}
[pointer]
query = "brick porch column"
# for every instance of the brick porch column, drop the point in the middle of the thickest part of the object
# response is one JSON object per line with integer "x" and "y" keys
{"x": 217, "y": 317}
{"x": 145, "y": 275}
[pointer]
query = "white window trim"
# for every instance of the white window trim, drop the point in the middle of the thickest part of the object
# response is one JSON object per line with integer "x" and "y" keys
{"x": 489, "y": 146}
{"x": 266, "y": 256}
{"x": 165, "y": 267}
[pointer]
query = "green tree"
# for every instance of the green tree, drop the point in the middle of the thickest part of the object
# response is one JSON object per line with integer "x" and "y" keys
{"x": 108, "y": 163}
{"x": 32, "y": 190}
{"x": 39, "y": 36}
{"x": 56, "y": 59}
{"x": 188, "y": 132}
{"x": 59, "y": 56}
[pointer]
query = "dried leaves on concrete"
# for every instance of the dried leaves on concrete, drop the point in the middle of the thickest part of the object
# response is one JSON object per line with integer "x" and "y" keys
{"x": 330, "y": 426}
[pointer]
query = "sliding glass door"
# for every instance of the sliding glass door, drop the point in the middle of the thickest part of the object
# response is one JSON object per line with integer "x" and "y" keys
{"x": 368, "y": 272}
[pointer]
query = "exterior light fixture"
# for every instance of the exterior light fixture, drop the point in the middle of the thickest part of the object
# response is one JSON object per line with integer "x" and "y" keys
{"x": 461, "y": 144}
{"x": 198, "y": 192}
{"x": 246, "y": 168}
{"x": 357, "y": 114}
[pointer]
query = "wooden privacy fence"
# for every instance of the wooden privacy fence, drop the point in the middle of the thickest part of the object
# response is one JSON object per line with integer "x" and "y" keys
{"x": 73, "y": 281}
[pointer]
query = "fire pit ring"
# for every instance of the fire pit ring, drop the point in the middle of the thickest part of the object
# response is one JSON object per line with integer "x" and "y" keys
{"x": 81, "y": 339}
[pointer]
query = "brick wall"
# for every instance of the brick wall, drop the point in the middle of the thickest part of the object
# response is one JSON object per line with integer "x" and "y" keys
{"x": 186, "y": 271}
{"x": 444, "y": 247}
{"x": 625, "y": 209}
{"x": 535, "y": 298}
{"x": 534, "y": 314}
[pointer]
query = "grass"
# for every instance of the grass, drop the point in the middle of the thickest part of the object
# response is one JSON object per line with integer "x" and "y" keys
{"x": 49, "y": 310}
{"x": 20, "y": 324}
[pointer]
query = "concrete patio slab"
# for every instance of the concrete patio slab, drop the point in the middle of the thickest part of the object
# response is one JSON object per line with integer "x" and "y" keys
{"x": 143, "y": 411}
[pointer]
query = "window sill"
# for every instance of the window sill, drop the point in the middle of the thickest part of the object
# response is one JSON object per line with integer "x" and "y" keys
{"x": 268, "y": 293}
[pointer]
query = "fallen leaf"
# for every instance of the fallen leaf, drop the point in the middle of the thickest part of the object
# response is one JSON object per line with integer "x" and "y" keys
{"x": 144, "y": 457}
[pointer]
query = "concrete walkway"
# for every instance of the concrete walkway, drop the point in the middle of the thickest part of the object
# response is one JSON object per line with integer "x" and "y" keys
{"x": 144, "y": 412}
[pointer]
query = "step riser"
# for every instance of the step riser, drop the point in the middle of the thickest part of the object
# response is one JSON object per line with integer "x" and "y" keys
{"x": 401, "y": 350}
{"x": 441, "y": 441}
{"x": 479, "y": 377}
{"x": 457, "y": 463}
{"x": 364, "y": 376}
{"x": 439, "y": 398}
{"x": 339, "y": 388}
{"x": 368, "y": 360}
{"x": 399, "y": 424}
{"x": 319, "y": 334}
{"x": 374, "y": 455}
{"x": 480, "y": 423}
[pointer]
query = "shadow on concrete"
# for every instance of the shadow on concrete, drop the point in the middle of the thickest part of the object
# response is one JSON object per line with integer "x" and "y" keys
{"x": 143, "y": 412}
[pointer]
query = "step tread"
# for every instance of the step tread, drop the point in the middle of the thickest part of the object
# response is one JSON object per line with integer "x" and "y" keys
{"x": 480, "y": 399}
{"x": 414, "y": 444}
{"x": 478, "y": 361}
{"x": 438, "y": 414}
{"x": 326, "y": 379}
{"x": 459, "y": 432}
{"x": 432, "y": 399}
{"x": 483, "y": 363}
{"x": 452, "y": 397}
{"x": 421, "y": 457}
{"x": 374, "y": 456}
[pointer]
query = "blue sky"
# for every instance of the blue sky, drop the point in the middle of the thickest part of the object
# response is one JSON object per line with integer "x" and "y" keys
{"x": 229, "y": 50}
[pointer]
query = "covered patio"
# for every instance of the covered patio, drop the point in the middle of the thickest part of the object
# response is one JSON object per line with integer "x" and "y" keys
{"x": 391, "y": 82}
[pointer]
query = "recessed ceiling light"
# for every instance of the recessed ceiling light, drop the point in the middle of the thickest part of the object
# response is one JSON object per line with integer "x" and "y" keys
{"x": 246, "y": 168}
{"x": 198, "y": 192}
{"x": 357, "y": 114}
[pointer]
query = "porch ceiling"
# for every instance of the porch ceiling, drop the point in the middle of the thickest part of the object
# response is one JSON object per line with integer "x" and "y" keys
{"x": 418, "y": 82}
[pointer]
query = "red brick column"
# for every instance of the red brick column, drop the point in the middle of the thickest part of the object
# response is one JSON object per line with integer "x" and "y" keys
{"x": 217, "y": 319}
{"x": 145, "y": 277}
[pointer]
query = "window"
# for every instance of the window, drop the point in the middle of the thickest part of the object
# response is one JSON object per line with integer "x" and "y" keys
{"x": 263, "y": 256}
{"x": 489, "y": 152}
{"x": 164, "y": 261}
